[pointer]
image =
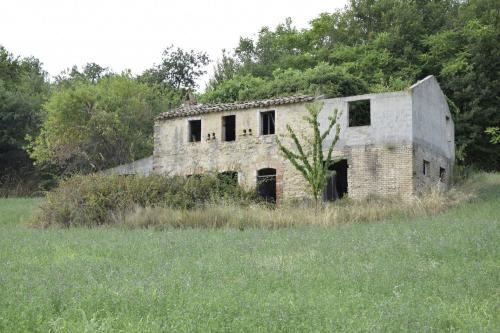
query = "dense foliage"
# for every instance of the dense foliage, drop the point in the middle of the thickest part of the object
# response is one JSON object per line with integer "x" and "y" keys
{"x": 91, "y": 118}
{"x": 96, "y": 199}
{"x": 313, "y": 165}
{"x": 23, "y": 89}
{"x": 380, "y": 45}
{"x": 92, "y": 126}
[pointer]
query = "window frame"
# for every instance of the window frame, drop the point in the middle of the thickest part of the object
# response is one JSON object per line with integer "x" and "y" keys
{"x": 349, "y": 117}
{"x": 224, "y": 130}
{"x": 270, "y": 124}
{"x": 190, "y": 136}
{"x": 426, "y": 167}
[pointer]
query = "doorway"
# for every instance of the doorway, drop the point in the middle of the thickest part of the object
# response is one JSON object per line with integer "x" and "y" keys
{"x": 336, "y": 185}
{"x": 266, "y": 184}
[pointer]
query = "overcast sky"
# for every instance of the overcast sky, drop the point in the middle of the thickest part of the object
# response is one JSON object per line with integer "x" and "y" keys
{"x": 126, "y": 34}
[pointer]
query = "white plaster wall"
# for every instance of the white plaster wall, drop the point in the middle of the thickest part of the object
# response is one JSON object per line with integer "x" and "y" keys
{"x": 430, "y": 110}
{"x": 390, "y": 123}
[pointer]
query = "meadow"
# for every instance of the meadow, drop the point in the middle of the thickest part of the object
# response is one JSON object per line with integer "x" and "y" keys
{"x": 430, "y": 273}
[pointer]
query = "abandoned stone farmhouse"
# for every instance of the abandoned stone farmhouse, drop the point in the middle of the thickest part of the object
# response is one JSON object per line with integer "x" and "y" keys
{"x": 396, "y": 143}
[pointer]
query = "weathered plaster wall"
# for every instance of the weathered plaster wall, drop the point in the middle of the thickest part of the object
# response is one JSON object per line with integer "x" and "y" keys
{"x": 249, "y": 153}
{"x": 383, "y": 158}
{"x": 379, "y": 155}
{"x": 383, "y": 166}
{"x": 433, "y": 134}
{"x": 391, "y": 116}
{"x": 140, "y": 167}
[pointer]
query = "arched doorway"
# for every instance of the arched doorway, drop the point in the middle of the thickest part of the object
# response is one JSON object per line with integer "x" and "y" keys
{"x": 266, "y": 184}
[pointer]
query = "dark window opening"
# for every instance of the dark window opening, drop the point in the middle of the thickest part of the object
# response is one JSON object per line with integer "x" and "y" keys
{"x": 194, "y": 130}
{"x": 426, "y": 167}
{"x": 359, "y": 113}
{"x": 228, "y": 178}
{"x": 229, "y": 128}
{"x": 442, "y": 174}
{"x": 336, "y": 185}
{"x": 266, "y": 184}
{"x": 267, "y": 122}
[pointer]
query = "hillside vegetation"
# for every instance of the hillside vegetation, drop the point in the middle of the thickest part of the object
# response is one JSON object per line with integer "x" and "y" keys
{"x": 90, "y": 118}
{"x": 431, "y": 273}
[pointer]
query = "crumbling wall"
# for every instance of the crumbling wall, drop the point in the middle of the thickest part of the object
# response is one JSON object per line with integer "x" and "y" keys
{"x": 383, "y": 158}
{"x": 140, "y": 167}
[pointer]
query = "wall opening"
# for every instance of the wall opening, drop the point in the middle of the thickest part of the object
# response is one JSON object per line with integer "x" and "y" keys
{"x": 194, "y": 130}
{"x": 359, "y": 113}
{"x": 336, "y": 185}
{"x": 426, "y": 168}
{"x": 448, "y": 128}
{"x": 267, "y": 123}
{"x": 266, "y": 184}
{"x": 229, "y": 128}
{"x": 228, "y": 178}
{"x": 442, "y": 174}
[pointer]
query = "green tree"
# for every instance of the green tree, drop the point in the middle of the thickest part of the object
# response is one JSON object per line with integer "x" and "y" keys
{"x": 23, "y": 89}
{"x": 95, "y": 126}
{"x": 177, "y": 69}
{"x": 91, "y": 72}
{"x": 384, "y": 45}
{"x": 308, "y": 157}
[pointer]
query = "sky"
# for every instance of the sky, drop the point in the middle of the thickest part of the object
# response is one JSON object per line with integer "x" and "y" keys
{"x": 131, "y": 35}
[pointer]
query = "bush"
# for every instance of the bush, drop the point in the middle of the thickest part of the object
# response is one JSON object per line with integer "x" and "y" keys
{"x": 213, "y": 202}
{"x": 95, "y": 199}
{"x": 228, "y": 215}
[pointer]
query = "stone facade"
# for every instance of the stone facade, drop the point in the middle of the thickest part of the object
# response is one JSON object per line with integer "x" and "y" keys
{"x": 385, "y": 157}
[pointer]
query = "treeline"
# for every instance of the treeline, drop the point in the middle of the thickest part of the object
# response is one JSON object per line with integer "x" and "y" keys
{"x": 90, "y": 118}
{"x": 382, "y": 45}
{"x": 86, "y": 119}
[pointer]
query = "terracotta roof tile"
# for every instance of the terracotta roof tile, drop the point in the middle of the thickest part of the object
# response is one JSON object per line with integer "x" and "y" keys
{"x": 196, "y": 109}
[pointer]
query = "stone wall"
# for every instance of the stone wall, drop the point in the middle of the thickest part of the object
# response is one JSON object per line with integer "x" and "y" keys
{"x": 143, "y": 167}
{"x": 173, "y": 153}
{"x": 383, "y": 158}
{"x": 373, "y": 169}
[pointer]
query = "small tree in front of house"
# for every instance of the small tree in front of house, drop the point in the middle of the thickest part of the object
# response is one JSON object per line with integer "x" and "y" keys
{"x": 310, "y": 160}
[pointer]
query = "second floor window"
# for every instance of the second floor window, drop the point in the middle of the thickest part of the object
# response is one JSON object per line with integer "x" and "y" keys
{"x": 359, "y": 113}
{"x": 194, "y": 130}
{"x": 229, "y": 128}
{"x": 267, "y": 122}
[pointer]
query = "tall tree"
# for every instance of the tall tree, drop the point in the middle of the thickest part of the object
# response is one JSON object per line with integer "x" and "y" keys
{"x": 308, "y": 157}
{"x": 95, "y": 126}
{"x": 177, "y": 69}
{"x": 23, "y": 89}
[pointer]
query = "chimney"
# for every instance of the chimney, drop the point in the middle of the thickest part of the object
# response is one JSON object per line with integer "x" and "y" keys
{"x": 189, "y": 98}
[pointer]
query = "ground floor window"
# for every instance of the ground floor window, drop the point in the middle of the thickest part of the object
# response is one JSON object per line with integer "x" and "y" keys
{"x": 336, "y": 186}
{"x": 266, "y": 184}
{"x": 442, "y": 174}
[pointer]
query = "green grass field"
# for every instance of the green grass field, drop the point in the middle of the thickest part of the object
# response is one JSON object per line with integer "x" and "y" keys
{"x": 439, "y": 273}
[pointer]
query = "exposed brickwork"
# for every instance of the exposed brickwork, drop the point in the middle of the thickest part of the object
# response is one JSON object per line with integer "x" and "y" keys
{"x": 384, "y": 158}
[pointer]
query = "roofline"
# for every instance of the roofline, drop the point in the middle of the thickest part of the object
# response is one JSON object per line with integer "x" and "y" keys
{"x": 193, "y": 110}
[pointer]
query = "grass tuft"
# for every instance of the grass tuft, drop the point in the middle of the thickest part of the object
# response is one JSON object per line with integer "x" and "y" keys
{"x": 230, "y": 215}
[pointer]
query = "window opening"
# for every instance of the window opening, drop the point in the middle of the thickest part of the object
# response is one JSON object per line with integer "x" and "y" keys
{"x": 229, "y": 128}
{"x": 194, "y": 130}
{"x": 267, "y": 122}
{"x": 266, "y": 184}
{"x": 359, "y": 113}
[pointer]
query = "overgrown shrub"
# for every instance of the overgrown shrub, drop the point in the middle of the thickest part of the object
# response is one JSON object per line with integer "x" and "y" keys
{"x": 227, "y": 215}
{"x": 92, "y": 200}
{"x": 208, "y": 201}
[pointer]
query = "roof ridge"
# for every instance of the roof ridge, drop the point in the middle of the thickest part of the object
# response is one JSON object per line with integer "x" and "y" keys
{"x": 195, "y": 109}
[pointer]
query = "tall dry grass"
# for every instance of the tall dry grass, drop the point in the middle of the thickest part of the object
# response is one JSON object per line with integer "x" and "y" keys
{"x": 229, "y": 215}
